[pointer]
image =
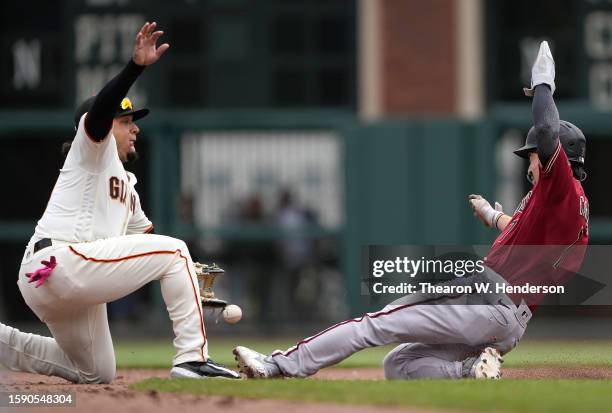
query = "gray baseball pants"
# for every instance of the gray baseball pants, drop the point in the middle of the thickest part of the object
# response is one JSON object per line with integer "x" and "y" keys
{"x": 436, "y": 337}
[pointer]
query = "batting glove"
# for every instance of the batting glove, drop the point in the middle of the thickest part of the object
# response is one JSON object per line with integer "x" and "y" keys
{"x": 484, "y": 211}
{"x": 543, "y": 70}
{"x": 41, "y": 274}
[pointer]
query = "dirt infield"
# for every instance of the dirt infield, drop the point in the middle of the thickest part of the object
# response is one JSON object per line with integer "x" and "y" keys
{"x": 116, "y": 397}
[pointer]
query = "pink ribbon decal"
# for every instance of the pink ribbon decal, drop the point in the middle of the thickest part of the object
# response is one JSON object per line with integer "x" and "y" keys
{"x": 41, "y": 274}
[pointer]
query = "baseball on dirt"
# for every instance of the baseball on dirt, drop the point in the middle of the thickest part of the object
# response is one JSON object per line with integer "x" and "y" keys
{"x": 232, "y": 314}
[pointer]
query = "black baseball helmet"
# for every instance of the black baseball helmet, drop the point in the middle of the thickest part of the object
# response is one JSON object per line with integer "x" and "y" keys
{"x": 571, "y": 137}
{"x": 124, "y": 109}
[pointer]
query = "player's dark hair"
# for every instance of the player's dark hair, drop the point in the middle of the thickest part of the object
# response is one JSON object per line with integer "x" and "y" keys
{"x": 132, "y": 157}
{"x": 578, "y": 171}
{"x": 66, "y": 148}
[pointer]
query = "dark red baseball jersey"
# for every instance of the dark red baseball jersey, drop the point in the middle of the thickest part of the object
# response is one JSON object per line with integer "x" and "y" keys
{"x": 545, "y": 242}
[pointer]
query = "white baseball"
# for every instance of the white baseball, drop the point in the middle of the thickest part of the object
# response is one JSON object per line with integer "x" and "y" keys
{"x": 232, "y": 314}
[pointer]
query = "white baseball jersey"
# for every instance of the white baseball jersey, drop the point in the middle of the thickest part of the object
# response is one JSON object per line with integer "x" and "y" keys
{"x": 94, "y": 196}
{"x": 102, "y": 254}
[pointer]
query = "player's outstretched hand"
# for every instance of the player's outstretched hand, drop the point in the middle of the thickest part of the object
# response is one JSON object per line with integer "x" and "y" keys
{"x": 484, "y": 211}
{"x": 146, "y": 51}
{"x": 543, "y": 70}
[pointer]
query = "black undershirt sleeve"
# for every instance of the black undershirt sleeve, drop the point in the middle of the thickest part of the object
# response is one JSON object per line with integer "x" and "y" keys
{"x": 99, "y": 119}
{"x": 545, "y": 122}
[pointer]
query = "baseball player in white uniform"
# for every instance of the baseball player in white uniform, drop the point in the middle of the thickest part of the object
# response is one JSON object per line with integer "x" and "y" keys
{"x": 94, "y": 245}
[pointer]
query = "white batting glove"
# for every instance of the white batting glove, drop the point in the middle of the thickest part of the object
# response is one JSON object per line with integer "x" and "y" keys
{"x": 484, "y": 211}
{"x": 543, "y": 70}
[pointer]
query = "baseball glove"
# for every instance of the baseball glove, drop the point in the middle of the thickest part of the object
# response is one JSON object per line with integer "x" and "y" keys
{"x": 206, "y": 277}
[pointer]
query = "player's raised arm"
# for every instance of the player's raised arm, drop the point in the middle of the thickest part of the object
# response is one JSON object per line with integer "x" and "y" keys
{"x": 545, "y": 113}
{"x": 99, "y": 119}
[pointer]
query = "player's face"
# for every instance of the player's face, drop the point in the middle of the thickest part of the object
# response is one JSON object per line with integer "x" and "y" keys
{"x": 125, "y": 132}
{"x": 533, "y": 172}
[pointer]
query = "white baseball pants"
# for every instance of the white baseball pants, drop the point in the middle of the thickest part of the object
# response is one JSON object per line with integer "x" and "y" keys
{"x": 73, "y": 304}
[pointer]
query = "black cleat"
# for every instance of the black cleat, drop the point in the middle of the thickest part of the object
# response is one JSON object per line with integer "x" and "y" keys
{"x": 202, "y": 370}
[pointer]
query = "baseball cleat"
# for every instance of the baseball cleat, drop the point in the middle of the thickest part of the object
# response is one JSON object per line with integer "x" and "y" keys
{"x": 486, "y": 366}
{"x": 254, "y": 365}
{"x": 202, "y": 370}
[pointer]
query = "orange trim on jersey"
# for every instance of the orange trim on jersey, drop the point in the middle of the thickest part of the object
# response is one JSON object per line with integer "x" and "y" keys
{"x": 149, "y": 229}
{"x": 144, "y": 254}
{"x": 552, "y": 159}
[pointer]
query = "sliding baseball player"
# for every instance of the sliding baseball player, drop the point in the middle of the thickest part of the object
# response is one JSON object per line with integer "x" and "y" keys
{"x": 445, "y": 337}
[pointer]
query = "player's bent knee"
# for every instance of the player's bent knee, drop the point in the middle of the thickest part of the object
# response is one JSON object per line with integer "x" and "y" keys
{"x": 392, "y": 367}
{"x": 179, "y": 244}
{"x": 164, "y": 242}
{"x": 168, "y": 243}
{"x": 182, "y": 246}
{"x": 423, "y": 372}
{"x": 105, "y": 376}
{"x": 106, "y": 379}
{"x": 393, "y": 373}
{"x": 102, "y": 375}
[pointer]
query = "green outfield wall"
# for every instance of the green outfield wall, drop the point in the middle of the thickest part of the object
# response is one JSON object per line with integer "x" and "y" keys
{"x": 404, "y": 181}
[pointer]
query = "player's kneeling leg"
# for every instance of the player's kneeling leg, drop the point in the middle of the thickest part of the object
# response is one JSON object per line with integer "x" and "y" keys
{"x": 424, "y": 361}
{"x": 102, "y": 374}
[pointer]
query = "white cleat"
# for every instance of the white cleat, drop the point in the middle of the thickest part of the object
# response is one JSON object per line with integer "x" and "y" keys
{"x": 254, "y": 365}
{"x": 487, "y": 365}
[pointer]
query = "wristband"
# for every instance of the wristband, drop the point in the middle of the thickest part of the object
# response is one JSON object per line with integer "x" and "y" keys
{"x": 501, "y": 214}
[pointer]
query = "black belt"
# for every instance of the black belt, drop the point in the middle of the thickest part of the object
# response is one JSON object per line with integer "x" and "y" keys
{"x": 43, "y": 243}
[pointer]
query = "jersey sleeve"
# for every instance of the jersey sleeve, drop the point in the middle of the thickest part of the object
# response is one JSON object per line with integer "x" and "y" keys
{"x": 556, "y": 177}
{"x": 87, "y": 153}
{"x": 138, "y": 223}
